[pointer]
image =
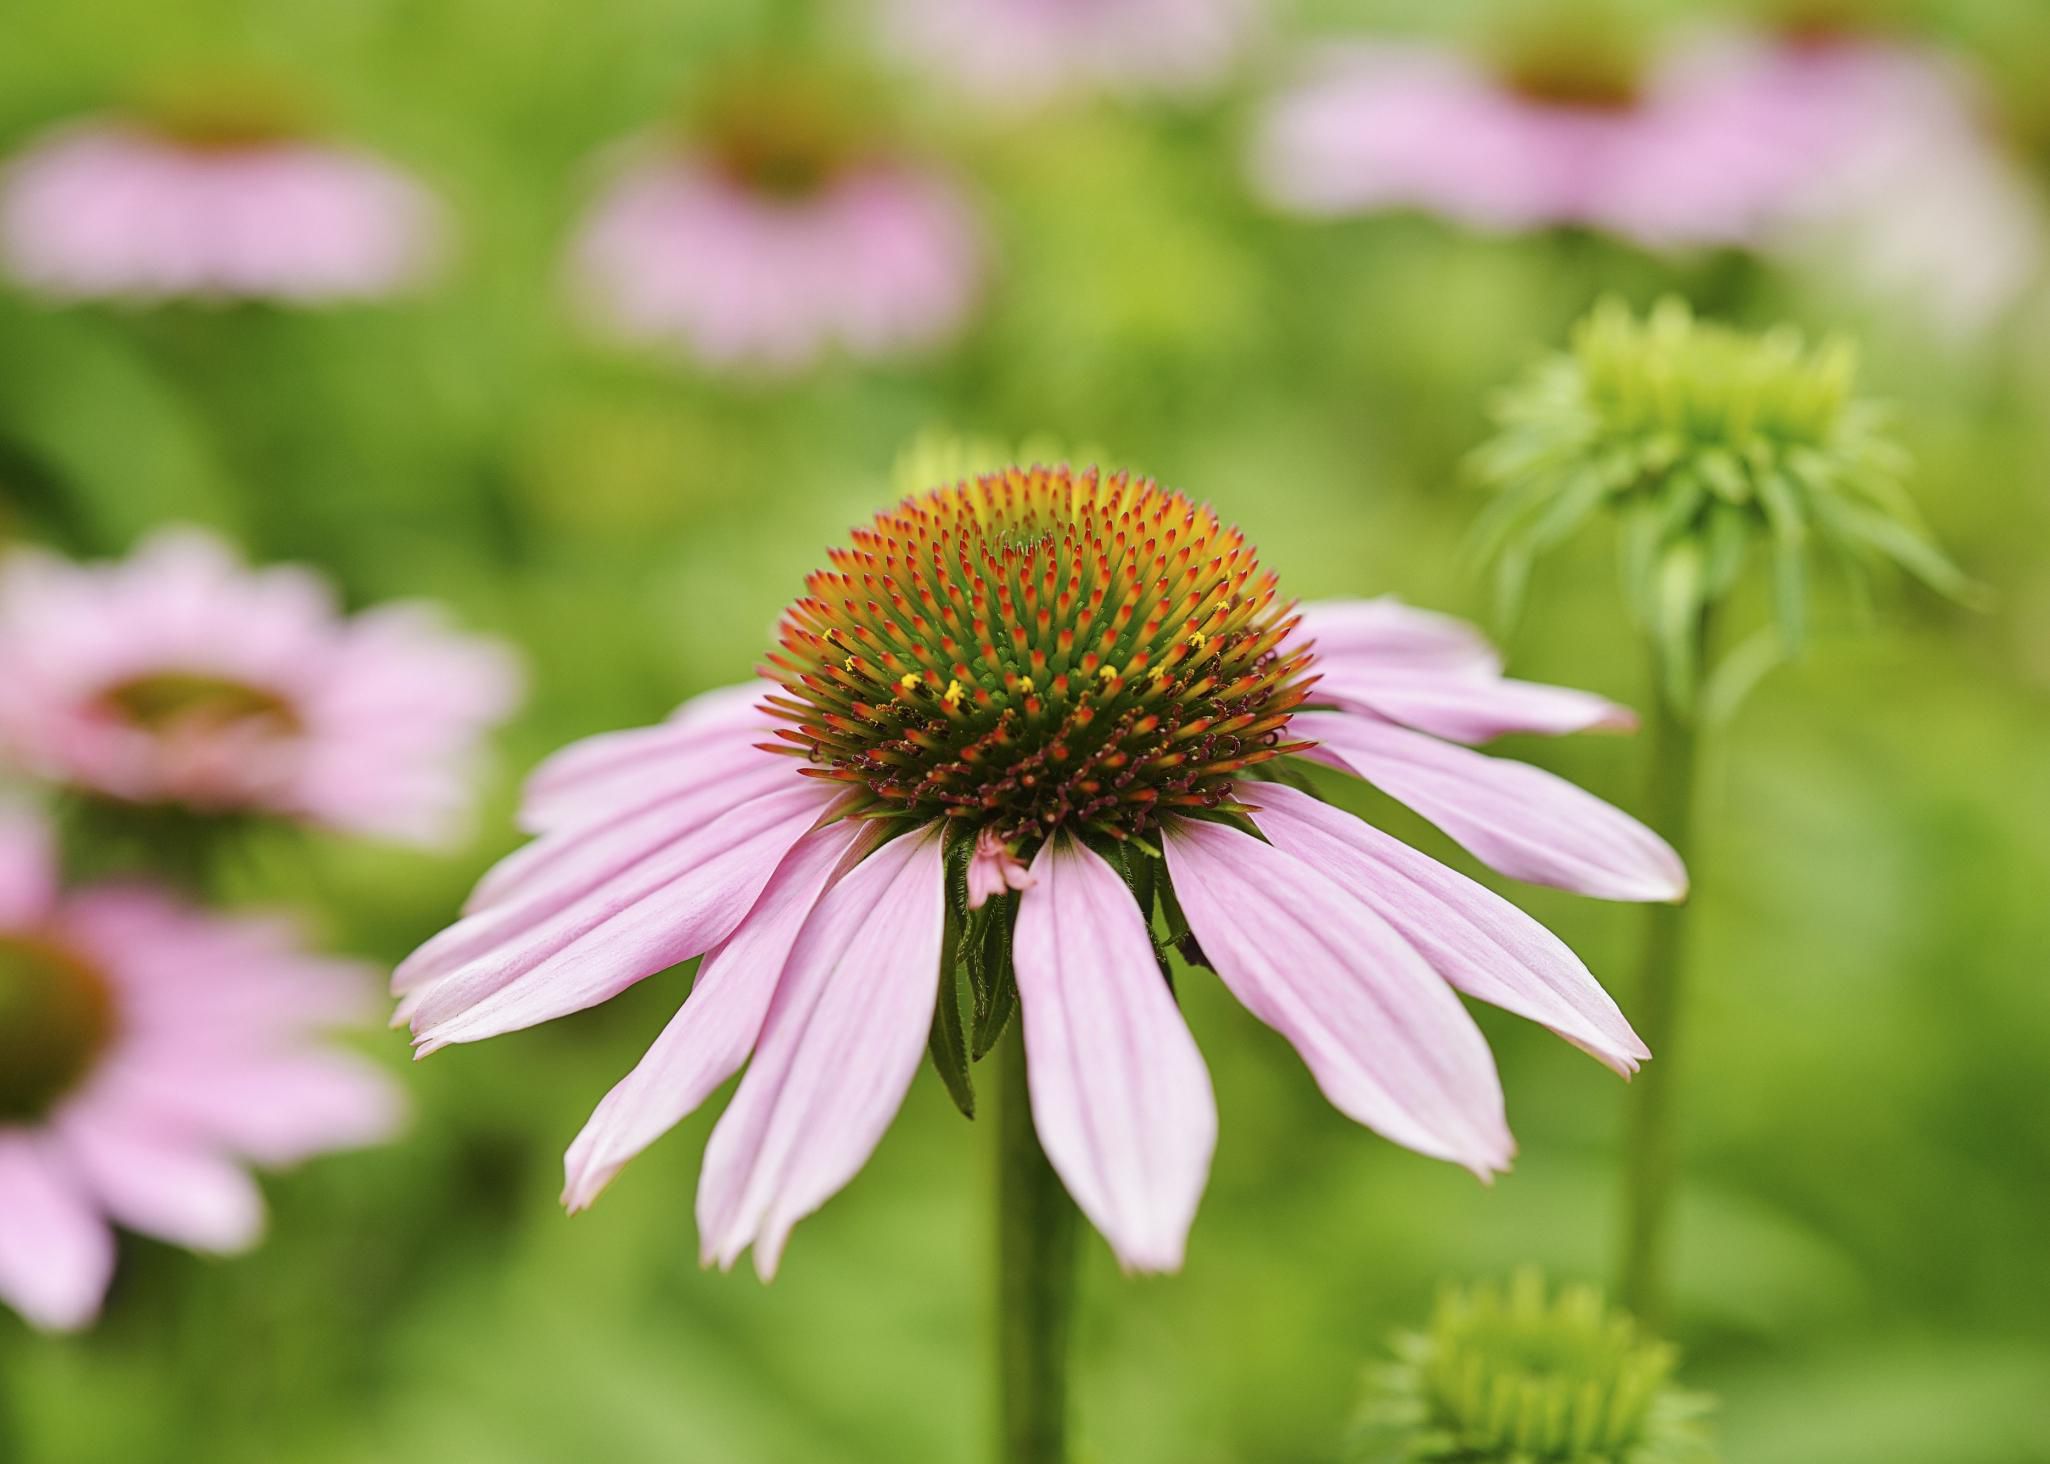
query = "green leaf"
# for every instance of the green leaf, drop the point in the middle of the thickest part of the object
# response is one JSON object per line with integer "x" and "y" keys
{"x": 995, "y": 983}
{"x": 946, "y": 1043}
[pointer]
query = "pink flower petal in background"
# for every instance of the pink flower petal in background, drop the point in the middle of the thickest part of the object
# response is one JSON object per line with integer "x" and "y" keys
{"x": 107, "y": 210}
{"x": 56, "y": 1250}
{"x": 1384, "y": 126}
{"x": 1017, "y": 53}
{"x": 881, "y": 260}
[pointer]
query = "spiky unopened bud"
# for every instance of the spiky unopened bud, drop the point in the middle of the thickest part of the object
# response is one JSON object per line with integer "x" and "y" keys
{"x": 1706, "y": 443}
{"x": 1514, "y": 1376}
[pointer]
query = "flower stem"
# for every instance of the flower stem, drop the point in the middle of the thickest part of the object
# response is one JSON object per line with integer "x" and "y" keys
{"x": 1036, "y": 1248}
{"x": 1650, "y": 1160}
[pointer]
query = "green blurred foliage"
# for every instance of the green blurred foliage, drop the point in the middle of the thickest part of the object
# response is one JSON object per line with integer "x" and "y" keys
{"x": 1861, "y": 1273}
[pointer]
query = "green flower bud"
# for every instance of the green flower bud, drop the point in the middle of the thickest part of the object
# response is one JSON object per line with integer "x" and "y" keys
{"x": 1510, "y": 1376}
{"x": 1708, "y": 445}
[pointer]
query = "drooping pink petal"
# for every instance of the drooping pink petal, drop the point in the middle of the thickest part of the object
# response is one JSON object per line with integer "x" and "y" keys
{"x": 1528, "y": 823}
{"x": 580, "y": 855}
{"x": 172, "y": 1189}
{"x": 1386, "y": 1039}
{"x": 1120, "y": 1095}
{"x": 1467, "y": 707}
{"x": 1387, "y": 635}
{"x": 1472, "y": 937}
{"x": 713, "y": 1032}
{"x": 56, "y": 1253}
{"x": 843, "y": 1039}
{"x": 670, "y": 907}
{"x": 595, "y": 776}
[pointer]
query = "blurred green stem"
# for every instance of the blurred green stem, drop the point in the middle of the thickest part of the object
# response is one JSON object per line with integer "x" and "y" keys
{"x": 11, "y": 1449}
{"x": 1036, "y": 1247}
{"x": 1650, "y": 1160}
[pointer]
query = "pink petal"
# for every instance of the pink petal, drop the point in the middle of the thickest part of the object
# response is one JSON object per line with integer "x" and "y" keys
{"x": 594, "y": 776}
{"x": 843, "y": 1039}
{"x": 576, "y": 857}
{"x": 1468, "y": 707}
{"x": 1119, "y": 1092}
{"x": 1387, "y": 635}
{"x": 28, "y": 869}
{"x": 1472, "y": 937}
{"x": 173, "y": 1190}
{"x": 1528, "y": 823}
{"x": 1384, "y": 1036}
{"x": 56, "y": 1253}
{"x": 713, "y": 1032}
{"x": 274, "y": 1109}
{"x": 665, "y": 909}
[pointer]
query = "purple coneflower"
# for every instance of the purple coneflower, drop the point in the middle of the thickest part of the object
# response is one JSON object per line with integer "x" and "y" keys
{"x": 1910, "y": 192}
{"x": 147, "y": 1050}
{"x": 1095, "y": 674}
{"x": 1665, "y": 155}
{"x": 180, "y": 678}
{"x": 773, "y": 233}
{"x": 1019, "y": 52}
{"x": 220, "y": 195}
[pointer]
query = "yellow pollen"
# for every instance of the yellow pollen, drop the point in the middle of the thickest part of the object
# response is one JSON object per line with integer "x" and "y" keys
{"x": 1025, "y": 685}
{"x": 954, "y": 694}
{"x": 1108, "y": 673}
{"x": 1199, "y": 640}
{"x": 908, "y": 681}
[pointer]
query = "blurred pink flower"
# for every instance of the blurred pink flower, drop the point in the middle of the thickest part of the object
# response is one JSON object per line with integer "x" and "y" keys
{"x": 1678, "y": 161}
{"x": 870, "y": 256}
{"x": 1908, "y": 193}
{"x": 822, "y": 942}
{"x": 180, "y": 677}
{"x": 1021, "y": 52}
{"x": 147, "y": 1050}
{"x": 109, "y": 209}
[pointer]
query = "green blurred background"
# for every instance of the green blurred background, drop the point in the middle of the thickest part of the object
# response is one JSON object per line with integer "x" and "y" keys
{"x": 1861, "y": 1253}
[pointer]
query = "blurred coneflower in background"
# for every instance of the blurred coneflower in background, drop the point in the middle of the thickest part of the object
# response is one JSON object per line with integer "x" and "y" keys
{"x": 148, "y": 1050}
{"x": 180, "y": 679}
{"x": 1017, "y": 53}
{"x": 213, "y": 188}
{"x": 776, "y": 224}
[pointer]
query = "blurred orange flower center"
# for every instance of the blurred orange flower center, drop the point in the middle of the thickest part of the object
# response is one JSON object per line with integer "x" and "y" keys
{"x": 56, "y": 1017}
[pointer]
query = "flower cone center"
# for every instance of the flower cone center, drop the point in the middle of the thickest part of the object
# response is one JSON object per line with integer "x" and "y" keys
{"x": 56, "y": 1017}
{"x": 173, "y": 701}
{"x": 1040, "y": 648}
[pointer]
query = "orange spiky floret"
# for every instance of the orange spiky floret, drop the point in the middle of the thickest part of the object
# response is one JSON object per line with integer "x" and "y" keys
{"x": 1038, "y": 648}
